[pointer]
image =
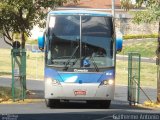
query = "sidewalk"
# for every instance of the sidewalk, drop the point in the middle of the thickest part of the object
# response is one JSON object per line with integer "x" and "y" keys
{"x": 143, "y": 59}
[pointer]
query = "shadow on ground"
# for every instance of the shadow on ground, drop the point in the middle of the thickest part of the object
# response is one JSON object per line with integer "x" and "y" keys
{"x": 116, "y": 104}
{"x": 105, "y": 114}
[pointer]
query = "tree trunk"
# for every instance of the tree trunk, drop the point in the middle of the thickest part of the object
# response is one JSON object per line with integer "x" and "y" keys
{"x": 158, "y": 66}
{"x": 23, "y": 40}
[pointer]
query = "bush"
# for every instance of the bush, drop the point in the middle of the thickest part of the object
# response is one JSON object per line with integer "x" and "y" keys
{"x": 131, "y": 36}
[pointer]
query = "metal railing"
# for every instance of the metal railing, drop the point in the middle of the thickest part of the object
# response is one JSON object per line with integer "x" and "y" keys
{"x": 18, "y": 74}
{"x": 134, "y": 60}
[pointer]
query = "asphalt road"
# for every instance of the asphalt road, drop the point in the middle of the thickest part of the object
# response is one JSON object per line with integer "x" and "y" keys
{"x": 75, "y": 110}
{"x": 143, "y": 59}
{"x": 37, "y": 86}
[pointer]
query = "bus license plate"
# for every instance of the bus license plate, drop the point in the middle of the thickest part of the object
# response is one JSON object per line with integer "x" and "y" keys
{"x": 80, "y": 92}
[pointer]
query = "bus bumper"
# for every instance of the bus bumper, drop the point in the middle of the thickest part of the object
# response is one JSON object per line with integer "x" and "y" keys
{"x": 75, "y": 91}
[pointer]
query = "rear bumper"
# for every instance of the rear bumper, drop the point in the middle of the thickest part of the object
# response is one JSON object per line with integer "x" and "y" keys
{"x": 66, "y": 91}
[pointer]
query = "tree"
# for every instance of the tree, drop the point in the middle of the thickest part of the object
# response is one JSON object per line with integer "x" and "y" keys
{"x": 19, "y": 16}
{"x": 150, "y": 13}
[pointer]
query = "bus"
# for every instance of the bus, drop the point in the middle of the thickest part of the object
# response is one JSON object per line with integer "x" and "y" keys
{"x": 80, "y": 49}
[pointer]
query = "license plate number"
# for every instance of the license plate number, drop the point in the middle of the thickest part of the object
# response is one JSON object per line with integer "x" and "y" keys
{"x": 80, "y": 92}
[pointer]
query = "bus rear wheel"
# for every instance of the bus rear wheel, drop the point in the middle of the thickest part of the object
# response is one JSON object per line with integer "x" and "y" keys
{"x": 51, "y": 102}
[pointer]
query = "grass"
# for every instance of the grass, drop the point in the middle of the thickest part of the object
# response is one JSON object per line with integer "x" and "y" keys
{"x": 5, "y": 62}
{"x": 139, "y": 36}
{"x": 146, "y": 49}
{"x": 5, "y": 94}
{"x": 32, "y": 42}
{"x": 148, "y": 74}
{"x": 35, "y": 64}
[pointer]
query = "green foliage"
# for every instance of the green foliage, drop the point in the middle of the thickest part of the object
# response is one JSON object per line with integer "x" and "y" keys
{"x": 126, "y": 4}
{"x": 149, "y": 14}
{"x": 32, "y": 42}
{"x": 145, "y": 48}
{"x": 133, "y": 36}
{"x": 16, "y": 36}
{"x": 152, "y": 13}
{"x": 19, "y": 16}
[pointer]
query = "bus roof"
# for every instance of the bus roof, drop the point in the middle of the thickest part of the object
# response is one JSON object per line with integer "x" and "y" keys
{"x": 80, "y": 12}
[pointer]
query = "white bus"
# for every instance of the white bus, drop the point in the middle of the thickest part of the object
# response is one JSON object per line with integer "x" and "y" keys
{"x": 80, "y": 57}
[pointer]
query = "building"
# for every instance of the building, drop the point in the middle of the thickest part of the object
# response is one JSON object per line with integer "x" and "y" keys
{"x": 96, "y": 4}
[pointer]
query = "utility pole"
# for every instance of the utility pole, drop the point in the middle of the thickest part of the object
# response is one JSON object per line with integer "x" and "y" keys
{"x": 113, "y": 8}
{"x": 158, "y": 66}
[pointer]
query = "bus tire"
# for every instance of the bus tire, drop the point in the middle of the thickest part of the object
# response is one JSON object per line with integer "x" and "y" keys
{"x": 51, "y": 102}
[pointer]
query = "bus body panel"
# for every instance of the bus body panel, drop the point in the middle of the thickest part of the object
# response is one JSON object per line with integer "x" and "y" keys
{"x": 80, "y": 12}
{"x": 70, "y": 83}
{"x": 66, "y": 91}
{"x": 79, "y": 77}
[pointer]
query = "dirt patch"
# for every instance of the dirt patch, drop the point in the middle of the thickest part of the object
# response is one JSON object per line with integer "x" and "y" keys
{"x": 25, "y": 101}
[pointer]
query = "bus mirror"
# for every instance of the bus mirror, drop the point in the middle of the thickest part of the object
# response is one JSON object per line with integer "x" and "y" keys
{"x": 41, "y": 40}
{"x": 119, "y": 41}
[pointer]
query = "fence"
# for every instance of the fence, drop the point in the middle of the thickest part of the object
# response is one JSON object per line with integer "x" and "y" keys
{"x": 34, "y": 64}
{"x": 18, "y": 74}
{"x": 134, "y": 60}
{"x": 34, "y": 71}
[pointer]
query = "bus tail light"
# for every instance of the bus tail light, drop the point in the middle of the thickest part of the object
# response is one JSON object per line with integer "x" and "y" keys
{"x": 107, "y": 82}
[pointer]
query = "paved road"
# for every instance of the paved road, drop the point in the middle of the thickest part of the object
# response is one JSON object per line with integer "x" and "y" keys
{"x": 72, "y": 111}
{"x": 120, "y": 90}
{"x": 143, "y": 59}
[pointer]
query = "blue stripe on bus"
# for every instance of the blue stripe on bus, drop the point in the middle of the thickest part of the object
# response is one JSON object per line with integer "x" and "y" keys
{"x": 79, "y": 12}
{"x": 79, "y": 77}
